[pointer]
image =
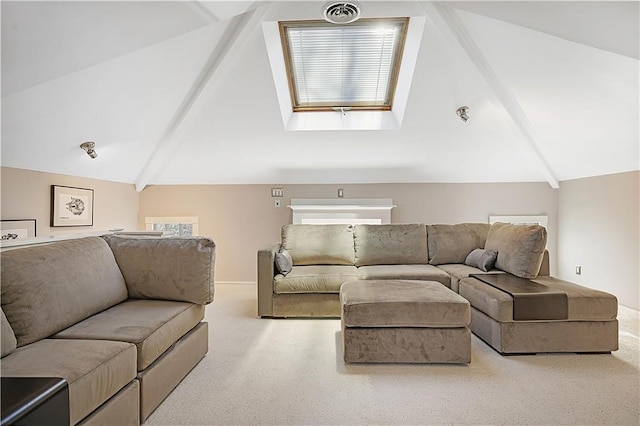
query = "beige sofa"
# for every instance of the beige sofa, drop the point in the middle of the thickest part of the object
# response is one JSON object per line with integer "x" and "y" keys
{"x": 325, "y": 256}
{"x": 120, "y": 318}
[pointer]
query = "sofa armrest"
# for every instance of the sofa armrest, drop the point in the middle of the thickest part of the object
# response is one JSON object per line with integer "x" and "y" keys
{"x": 545, "y": 270}
{"x": 178, "y": 268}
{"x": 266, "y": 272}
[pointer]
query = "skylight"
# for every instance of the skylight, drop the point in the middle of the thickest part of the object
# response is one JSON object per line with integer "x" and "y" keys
{"x": 352, "y": 66}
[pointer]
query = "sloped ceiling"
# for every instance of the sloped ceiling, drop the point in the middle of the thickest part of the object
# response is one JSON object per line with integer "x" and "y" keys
{"x": 183, "y": 93}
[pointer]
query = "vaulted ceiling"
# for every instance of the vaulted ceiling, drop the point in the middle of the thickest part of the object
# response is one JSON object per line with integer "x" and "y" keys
{"x": 185, "y": 93}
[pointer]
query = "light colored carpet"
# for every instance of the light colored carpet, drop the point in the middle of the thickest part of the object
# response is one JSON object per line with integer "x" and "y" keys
{"x": 264, "y": 371}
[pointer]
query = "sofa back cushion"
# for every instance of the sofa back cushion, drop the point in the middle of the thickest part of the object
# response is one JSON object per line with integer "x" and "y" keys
{"x": 398, "y": 244}
{"x": 47, "y": 288}
{"x": 319, "y": 244}
{"x": 453, "y": 243}
{"x": 178, "y": 268}
{"x": 520, "y": 248}
{"x": 9, "y": 342}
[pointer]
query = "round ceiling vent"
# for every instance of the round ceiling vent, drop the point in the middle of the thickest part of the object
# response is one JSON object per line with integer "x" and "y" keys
{"x": 341, "y": 12}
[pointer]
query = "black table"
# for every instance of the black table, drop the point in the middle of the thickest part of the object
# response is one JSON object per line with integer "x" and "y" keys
{"x": 35, "y": 401}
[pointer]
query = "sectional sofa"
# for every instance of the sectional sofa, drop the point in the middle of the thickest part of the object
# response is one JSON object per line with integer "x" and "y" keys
{"x": 119, "y": 318}
{"x": 301, "y": 275}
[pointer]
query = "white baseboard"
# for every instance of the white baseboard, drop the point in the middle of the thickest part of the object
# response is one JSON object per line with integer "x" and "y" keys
{"x": 236, "y": 282}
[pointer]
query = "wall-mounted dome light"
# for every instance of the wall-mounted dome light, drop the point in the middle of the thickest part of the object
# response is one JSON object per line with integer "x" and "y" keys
{"x": 463, "y": 113}
{"x": 89, "y": 148}
{"x": 341, "y": 12}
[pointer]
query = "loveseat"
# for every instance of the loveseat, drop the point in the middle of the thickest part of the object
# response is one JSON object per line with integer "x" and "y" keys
{"x": 301, "y": 275}
{"x": 119, "y": 318}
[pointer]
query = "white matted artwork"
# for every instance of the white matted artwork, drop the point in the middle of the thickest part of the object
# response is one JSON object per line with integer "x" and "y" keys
{"x": 71, "y": 206}
{"x": 18, "y": 229}
{"x": 179, "y": 226}
{"x": 521, "y": 220}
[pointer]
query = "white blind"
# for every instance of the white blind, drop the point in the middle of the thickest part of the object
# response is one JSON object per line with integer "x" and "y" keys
{"x": 344, "y": 65}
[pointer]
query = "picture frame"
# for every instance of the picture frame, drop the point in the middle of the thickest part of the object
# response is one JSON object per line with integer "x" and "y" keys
{"x": 71, "y": 206}
{"x": 17, "y": 229}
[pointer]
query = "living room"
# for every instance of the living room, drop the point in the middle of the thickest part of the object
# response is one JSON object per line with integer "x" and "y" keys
{"x": 176, "y": 137}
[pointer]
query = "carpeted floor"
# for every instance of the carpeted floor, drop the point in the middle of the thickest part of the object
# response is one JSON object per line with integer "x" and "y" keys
{"x": 264, "y": 371}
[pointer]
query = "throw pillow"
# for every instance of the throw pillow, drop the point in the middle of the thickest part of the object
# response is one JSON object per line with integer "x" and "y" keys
{"x": 8, "y": 338}
{"x": 284, "y": 263}
{"x": 482, "y": 259}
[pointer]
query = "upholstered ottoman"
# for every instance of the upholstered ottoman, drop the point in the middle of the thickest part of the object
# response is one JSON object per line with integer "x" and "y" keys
{"x": 404, "y": 321}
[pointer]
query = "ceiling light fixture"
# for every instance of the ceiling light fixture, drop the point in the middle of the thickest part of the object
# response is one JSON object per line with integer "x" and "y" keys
{"x": 463, "y": 113}
{"x": 341, "y": 12}
{"x": 89, "y": 148}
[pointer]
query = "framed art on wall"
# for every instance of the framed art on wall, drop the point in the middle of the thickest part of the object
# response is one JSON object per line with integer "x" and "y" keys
{"x": 71, "y": 206}
{"x": 17, "y": 229}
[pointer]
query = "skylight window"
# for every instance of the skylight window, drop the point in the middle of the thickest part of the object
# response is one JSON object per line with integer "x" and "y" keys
{"x": 352, "y": 66}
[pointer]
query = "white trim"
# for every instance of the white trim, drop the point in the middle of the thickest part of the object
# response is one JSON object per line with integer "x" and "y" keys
{"x": 236, "y": 283}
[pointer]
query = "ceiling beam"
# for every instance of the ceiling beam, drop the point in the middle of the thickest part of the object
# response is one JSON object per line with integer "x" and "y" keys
{"x": 204, "y": 11}
{"x": 448, "y": 23}
{"x": 238, "y": 30}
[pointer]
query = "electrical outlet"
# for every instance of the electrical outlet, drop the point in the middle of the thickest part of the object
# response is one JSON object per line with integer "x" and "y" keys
{"x": 277, "y": 203}
{"x": 578, "y": 270}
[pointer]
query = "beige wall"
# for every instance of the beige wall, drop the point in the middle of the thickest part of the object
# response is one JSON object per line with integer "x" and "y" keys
{"x": 26, "y": 194}
{"x": 242, "y": 218}
{"x": 599, "y": 217}
{"x": 599, "y": 230}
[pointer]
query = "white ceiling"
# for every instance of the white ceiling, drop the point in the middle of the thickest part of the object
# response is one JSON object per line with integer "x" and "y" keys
{"x": 184, "y": 93}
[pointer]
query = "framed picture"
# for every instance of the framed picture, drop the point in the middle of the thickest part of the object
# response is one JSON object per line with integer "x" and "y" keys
{"x": 71, "y": 206}
{"x": 18, "y": 229}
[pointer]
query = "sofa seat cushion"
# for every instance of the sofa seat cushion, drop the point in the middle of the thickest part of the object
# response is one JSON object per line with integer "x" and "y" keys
{"x": 399, "y": 244}
{"x": 404, "y": 272}
{"x": 47, "y": 288}
{"x": 453, "y": 243}
{"x": 459, "y": 271}
{"x": 584, "y": 304}
{"x": 319, "y": 244}
{"x": 152, "y": 325}
{"x": 314, "y": 279}
{"x": 94, "y": 369}
{"x": 402, "y": 303}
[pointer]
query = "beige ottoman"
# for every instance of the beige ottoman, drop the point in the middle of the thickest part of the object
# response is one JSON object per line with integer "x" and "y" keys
{"x": 404, "y": 321}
